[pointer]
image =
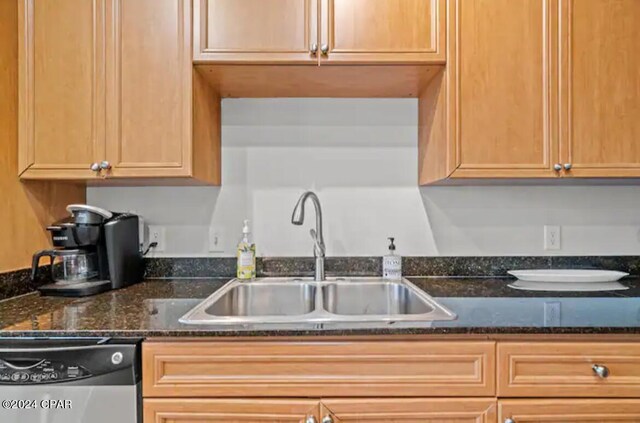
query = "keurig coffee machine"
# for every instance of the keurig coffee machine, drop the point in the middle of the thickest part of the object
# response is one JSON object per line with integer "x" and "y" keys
{"x": 95, "y": 250}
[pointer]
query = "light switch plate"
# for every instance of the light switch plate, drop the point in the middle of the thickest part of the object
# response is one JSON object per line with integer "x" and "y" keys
{"x": 216, "y": 240}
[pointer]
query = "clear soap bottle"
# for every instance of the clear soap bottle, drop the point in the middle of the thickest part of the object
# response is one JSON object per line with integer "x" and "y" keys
{"x": 246, "y": 255}
{"x": 392, "y": 263}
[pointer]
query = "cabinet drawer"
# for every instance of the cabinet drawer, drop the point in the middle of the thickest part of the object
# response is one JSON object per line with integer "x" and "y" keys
{"x": 570, "y": 411}
{"x": 258, "y": 410}
{"x": 318, "y": 369}
{"x": 567, "y": 369}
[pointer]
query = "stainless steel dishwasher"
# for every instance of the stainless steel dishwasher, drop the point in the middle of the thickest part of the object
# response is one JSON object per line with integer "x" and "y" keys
{"x": 67, "y": 380}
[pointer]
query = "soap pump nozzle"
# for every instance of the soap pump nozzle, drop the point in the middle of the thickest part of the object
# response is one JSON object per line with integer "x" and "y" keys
{"x": 392, "y": 246}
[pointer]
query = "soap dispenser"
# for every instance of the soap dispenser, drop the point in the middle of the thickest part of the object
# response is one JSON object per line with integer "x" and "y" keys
{"x": 392, "y": 263}
{"x": 246, "y": 255}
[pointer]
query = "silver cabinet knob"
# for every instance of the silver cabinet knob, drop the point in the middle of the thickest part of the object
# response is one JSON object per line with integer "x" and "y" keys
{"x": 557, "y": 167}
{"x": 509, "y": 421}
{"x": 324, "y": 49}
{"x": 601, "y": 371}
{"x": 95, "y": 167}
{"x": 313, "y": 49}
{"x": 327, "y": 419}
{"x": 310, "y": 419}
{"x": 567, "y": 166}
{"x": 105, "y": 165}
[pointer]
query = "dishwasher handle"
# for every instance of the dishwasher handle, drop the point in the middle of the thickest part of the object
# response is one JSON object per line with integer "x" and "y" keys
{"x": 12, "y": 364}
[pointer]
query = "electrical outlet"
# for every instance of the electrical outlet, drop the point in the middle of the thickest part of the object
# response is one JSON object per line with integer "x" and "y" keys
{"x": 216, "y": 241}
{"x": 552, "y": 237}
{"x": 157, "y": 234}
{"x": 552, "y": 313}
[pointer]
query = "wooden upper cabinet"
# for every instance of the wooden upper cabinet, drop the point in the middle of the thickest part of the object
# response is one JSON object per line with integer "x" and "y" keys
{"x": 601, "y": 87}
{"x": 61, "y": 87}
{"x": 383, "y": 31}
{"x": 502, "y": 88}
{"x": 423, "y": 410}
{"x": 328, "y": 31}
{"x": 149, "y": 94}
{"x": 111, "y": 82}
{"x": 269, "y": 31}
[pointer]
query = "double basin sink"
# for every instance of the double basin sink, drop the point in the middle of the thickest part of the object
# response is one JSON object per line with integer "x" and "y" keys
{"x": 338, "y": 302}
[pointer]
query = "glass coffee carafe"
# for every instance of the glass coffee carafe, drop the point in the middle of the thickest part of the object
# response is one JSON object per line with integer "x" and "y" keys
{"x": 68, "y": 266}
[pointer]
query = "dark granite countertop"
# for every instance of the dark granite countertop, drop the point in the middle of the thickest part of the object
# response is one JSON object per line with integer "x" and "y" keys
{"x": 484, "y": 306}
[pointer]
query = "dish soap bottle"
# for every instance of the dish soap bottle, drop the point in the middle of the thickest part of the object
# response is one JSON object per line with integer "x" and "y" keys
{"x": 246, "y": 255}
{"x": 392, "y": 263}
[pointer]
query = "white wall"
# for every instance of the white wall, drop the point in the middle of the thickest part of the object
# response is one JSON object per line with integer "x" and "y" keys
{"x": 360, "y": 156}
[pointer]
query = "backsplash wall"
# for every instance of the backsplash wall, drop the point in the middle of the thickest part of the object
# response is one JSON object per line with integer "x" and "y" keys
{"x": 360, "y": 156}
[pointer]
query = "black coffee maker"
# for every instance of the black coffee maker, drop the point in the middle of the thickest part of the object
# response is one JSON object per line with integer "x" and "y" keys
{"x": 95, "y": 251}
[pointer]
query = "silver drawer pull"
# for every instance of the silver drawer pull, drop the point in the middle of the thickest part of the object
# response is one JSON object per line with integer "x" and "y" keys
{"x": 601, "y": 371}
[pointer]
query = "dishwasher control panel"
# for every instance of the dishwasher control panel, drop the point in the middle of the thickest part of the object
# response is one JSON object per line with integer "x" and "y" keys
{"x": 43, "y": 371}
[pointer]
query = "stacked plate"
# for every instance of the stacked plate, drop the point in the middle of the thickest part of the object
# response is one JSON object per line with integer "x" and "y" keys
{"x": 581, "y": 280}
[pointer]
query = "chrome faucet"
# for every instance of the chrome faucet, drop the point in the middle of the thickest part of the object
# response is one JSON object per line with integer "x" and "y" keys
{"x": 297, "y": 218}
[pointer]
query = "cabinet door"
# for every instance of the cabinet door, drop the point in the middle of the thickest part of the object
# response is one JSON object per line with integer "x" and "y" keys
{"x": 569, "y": 411}
{"x": 601, "y": 87}
{"x": 262, "y": 31}
{"x": 383, "y": 31}
{"x": 149, "y": 88}
{"x": 503, "y": 82}
{"x": 61, "y": 87}
{"x": 410, "y": 410}
{"x": 214, "y": 410}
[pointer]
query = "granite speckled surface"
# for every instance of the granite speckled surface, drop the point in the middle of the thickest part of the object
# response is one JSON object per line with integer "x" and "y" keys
{"x": 484, "y": 306}
{"x": 18, "y": 282}
{"x": 369, "y": 266}
{"x": 186, "y": 267}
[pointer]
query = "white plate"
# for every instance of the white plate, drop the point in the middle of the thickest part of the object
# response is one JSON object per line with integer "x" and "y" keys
{"x": 568, "y": 275}
{"x": 567, "y": 286}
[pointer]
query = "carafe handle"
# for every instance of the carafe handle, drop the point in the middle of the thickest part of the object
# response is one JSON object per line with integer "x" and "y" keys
{"x": 35, "y": 263}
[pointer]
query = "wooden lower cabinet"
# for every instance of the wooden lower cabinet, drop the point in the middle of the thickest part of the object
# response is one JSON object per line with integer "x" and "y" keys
{"x": 319, "y": 369}
{"x": 569, "y": 411}
{"x": 407, "y": 410}
{"x": 404, "y": 381}
{"x": 566, "y": 369}
{"x": 229, "y": 410}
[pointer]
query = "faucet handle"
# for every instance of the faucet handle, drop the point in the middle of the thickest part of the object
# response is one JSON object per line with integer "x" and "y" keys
{"x": 319, "y": 248}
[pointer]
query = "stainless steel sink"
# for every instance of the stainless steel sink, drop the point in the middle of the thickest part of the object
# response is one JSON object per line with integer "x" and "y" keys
{"x": 265, "y": 299}
{"x": 373, "y": 298}
{"x": 298, "y": 302}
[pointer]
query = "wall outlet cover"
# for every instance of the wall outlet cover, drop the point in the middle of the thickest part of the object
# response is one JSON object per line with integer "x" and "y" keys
{"x": 552, "y": 237}
{"x": 552, "y": 313}
{"x": 157, "y": 234}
